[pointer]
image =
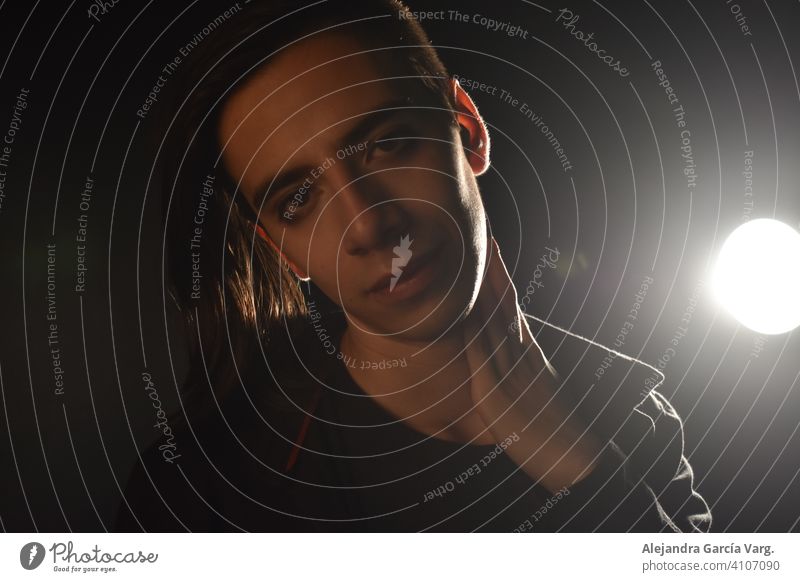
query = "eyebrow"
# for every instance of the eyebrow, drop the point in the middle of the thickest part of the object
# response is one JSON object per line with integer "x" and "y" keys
{"x": 367, "y": 122}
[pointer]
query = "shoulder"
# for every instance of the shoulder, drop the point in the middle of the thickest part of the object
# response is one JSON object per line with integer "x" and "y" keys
{"x": 164, "y": 489}
{"x": 619, "y": 398}
{"x": 225, "y": 473}
{"x": 653, "y": 442}
{"x": 652, "y": 438}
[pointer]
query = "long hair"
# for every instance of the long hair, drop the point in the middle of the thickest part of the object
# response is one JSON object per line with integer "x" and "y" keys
{"x": 230, "y": 286}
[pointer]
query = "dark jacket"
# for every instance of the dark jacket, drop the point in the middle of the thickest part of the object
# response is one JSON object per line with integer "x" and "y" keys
{"x": 304, "y": 449}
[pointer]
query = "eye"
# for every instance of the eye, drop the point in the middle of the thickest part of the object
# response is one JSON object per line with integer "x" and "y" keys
{"x": 389, "y": 144}
{"x": 291, "y": 207}
{"x": 394, "y": 141}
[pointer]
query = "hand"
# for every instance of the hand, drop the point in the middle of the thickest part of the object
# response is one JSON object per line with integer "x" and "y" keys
{"x": 513, "y": 387}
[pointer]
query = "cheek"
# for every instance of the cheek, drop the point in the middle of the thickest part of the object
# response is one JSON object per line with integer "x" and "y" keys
{"x": 448, "y": 182}
{"x": 328, "y": 271}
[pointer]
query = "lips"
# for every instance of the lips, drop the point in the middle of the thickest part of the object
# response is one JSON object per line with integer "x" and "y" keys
{"x": 419, "y": 262}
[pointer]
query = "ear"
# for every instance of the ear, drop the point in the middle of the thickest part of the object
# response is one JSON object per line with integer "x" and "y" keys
{"x": 475, "y": 137}
{"x": 295, "y": 269}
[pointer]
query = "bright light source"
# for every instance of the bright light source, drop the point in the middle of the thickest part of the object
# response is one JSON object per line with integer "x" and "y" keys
{"x": 757, "y": 276}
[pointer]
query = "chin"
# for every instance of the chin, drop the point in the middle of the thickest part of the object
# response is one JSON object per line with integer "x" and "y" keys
{"x": 425, "y": 320}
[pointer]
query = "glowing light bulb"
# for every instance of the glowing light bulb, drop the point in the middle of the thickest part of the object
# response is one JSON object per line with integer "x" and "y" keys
{"x": 757, "y": 276}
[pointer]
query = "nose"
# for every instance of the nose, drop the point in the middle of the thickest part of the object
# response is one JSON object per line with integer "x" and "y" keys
{"x": 373, "y": 218}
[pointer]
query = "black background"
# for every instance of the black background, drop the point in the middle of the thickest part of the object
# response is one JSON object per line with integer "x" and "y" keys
{"x": 623, "y": 213}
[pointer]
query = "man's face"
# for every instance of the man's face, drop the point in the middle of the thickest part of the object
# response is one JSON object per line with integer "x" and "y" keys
{"x": 368, "y": 190}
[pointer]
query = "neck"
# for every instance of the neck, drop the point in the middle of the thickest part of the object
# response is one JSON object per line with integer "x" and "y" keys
{"x": 424, "y": 383}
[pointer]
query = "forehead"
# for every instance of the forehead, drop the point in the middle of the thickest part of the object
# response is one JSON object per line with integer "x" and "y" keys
{"x": 318, "y": 86}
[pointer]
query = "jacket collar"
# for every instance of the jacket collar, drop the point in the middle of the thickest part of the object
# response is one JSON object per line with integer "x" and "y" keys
{"x": 602, "y": 385}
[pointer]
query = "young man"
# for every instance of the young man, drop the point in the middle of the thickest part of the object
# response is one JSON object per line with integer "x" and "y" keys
{"x": 425, "y": 402}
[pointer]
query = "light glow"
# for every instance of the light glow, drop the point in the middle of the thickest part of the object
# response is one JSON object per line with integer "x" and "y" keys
{"x": 757, "y": 276}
